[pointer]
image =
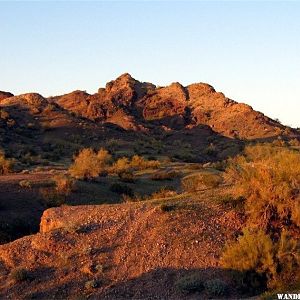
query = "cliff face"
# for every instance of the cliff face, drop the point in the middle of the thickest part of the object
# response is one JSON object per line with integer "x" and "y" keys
{"x": 131, "y": 104}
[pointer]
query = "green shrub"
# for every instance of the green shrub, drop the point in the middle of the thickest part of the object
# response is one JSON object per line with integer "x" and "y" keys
{"x": 121, "y": 189}
{"x": 216, "y": 287}
{"x": 19, "y": 275}
{"x": 127, "y": 177}
{"x": 189, "y": 284}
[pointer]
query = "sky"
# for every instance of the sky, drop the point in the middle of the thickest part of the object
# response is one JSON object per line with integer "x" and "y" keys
{"x": 250, "y": 51}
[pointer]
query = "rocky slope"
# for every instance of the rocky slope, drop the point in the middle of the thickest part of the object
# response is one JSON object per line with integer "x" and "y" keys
{"x": 127, "y": 251}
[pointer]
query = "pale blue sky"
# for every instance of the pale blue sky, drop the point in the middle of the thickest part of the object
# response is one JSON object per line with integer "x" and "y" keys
{"x": 248, "y": 50}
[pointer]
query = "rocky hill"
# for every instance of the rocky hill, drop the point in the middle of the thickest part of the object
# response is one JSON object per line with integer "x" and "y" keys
{"x": 132, "y": 105}
{"x": 210, "y": 125}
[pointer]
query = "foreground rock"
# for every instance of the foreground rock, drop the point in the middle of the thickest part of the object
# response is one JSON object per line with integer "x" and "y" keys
{"x": 128, "y": 251}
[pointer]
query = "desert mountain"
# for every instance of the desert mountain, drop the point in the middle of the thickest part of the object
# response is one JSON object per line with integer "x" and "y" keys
{"x": 131, "y": 104}
{"x": 208, "y": 125}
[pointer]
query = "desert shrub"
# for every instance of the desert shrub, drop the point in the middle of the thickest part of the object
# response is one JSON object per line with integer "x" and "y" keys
{"x": 216, "y": 287}
{"x": 52, "y": 198}
{"x": 121, "y": 165}
{"x": 91, "y": 284}
{"x": 104, "y": 157}
{"x": 4, "y": 115}
{"x": 88, "y": 164}
{"x": 112, "y": 144}
{"x": 6, "y": 164}
{"x": 219, "y": 165}
{"x": 140, "y": 163}
{"x": 194, "y": 182}
{"x": 166, "y": 207}
{"x": 211, "y": 150}
{"x": 25, "y": 184}
{"x": 165, "y": 175}
{"x": 121, "y": 189}
{"x": 63, "y": 184}
{"x": 255, "y": 251}
{"x": 269, "y": 178}
{"x": 19, "y": 275}
{"x": 127, "y": 177}
{"x": 231, "y": 202}
{"x": 189, "y": 284}
{"x": 163, "y": 193}
{"x": 294, "y": 142}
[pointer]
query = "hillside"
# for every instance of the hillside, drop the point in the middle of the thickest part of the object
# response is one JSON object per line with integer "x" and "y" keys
{"x": 136, "y": 117}
{"x": 133, "y": 105}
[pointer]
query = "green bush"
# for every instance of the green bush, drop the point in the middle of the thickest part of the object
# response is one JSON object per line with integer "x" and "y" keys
{"x": 19, "y": 275}
{"x": 216, "y": 287}
{"x": 127, "y": 177}
{"x": 189, "y": 284}
{"x": 121, "y": 189}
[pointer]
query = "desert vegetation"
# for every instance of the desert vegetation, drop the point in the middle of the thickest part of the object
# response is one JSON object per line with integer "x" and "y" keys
{"x": 268, "y": 178}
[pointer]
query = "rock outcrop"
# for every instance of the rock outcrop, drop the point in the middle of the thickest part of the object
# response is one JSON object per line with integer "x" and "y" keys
{"x": 4, "y": 95}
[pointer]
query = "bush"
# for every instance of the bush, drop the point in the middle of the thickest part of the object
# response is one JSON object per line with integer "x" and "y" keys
{"x": 167, "y": 207}
{"x": 139, "y": 163}
{"x": 19, "y": 275}
{"x": 63, "y": 184}
{"x": 104, "y": 157}
{"x": 163, "y": 193}
{"x": 189, "y": 284}
{"x": 255, "y": 251}
{"x": 200, "y": 181}
{"x": 6, "y": 165}
{"x": 216, "y": 287}
{"x": 88, "y": 164}
{"x": 121, "y": 165}
{"x": 269, "y": 178}
{"x": 25, "y": 184}
{"x": 91, "y": 284}
{"x": 121, "y": 189}
{"x": 127, "y": 177}
{"x": 165, "y": 175}
{"x": 52, "y": 198}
